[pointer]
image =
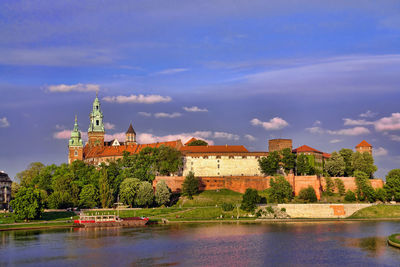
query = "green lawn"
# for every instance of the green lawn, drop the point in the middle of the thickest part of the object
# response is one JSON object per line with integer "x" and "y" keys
{"x": 395, "y": 238}
{"x": 211, "y": 198}
{"x": 7, "y": 218}
{"x": 378, "y": 211}
{"x": 151, "y": 213}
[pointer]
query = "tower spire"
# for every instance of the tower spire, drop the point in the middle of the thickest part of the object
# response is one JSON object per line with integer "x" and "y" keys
{"x": 96, "y": 126}
{"x": 75, "y": 144}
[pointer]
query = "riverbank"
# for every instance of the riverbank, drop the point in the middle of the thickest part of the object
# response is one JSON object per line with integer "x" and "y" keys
{"x": 394, "y": 240}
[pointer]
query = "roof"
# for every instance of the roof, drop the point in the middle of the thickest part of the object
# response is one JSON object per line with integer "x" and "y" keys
{"x": 306, "y": 148}
{"x": 116, "y": 151}
{"x": 130, "y": 129}
{"x": 4, "y": 177}
{"x": 191, "y": 140}
{"x": 326, "y": 155}
{"x": 363, "y": 144}
{"x": 213, "y": 149}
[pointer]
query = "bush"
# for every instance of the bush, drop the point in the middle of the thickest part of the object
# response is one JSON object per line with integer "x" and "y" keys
{"x": 145, "y": 195}
{"x": 380, "y": 194}
{"x": 340, "y": 186}
{"x": 250, "y": 200}
{"x": 280, "y": 191}
{"x": 308, "y": 194}
{"x": 190, "y": 185}
{"x": 269, "y": 209}
{"x": 283, "y": 209}
{"x": 364, "y": 188}
{"x": 28, "y": 203}
{"x": 227, "y": 206}
{"x": 350, "y": 196}
{"x": 163, "y": 193}
{"x": 330, "y": 186}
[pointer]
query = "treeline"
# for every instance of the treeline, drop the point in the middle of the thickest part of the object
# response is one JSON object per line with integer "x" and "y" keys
{"x": 342, "y": 163}
{"x": 128, "y": 180}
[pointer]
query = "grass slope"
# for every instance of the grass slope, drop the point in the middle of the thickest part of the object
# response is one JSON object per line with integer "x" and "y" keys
{"x": 211, "y": 198}
{"x": 378, "y": 211}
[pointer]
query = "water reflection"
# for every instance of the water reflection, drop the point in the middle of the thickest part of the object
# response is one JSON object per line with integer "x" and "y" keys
{"x": 222, "y": 244}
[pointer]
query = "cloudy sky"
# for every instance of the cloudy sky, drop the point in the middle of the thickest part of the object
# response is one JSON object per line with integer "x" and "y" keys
{"x": 324, "y": 73}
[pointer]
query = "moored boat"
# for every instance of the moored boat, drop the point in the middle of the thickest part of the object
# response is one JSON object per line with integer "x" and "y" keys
{"x": 109, "y": 221}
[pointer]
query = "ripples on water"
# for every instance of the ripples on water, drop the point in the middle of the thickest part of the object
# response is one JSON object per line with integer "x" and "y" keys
{"x": 219, "y": 244}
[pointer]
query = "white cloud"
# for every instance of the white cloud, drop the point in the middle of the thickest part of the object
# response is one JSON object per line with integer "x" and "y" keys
{"x": 119, "y": 136}
{"x": 145, "y": 114}
{"x": 60, "y": 127}
{"x": 380, "y": 151}
{"x": 317, "y": 122}
{"x": 66, "y": 134}
{"x": 391, "y": 123}
{"x": 368, "y": 114}
{"x": 395, "y": 138}
{"x": 109, "y": 126}
{"x": 167, "y": 115}
{"x": 273, "y": 124}
{"x": 250, "y": 138}
{"x": 334, "y": 141}
{"x": 351, "y": 122}
{"x": 171, "y": 71}
{"x": 349, "y": 131}
{"x": 146, "y": 138}
{"x": 227, "y": 136}
{"x": 79, "y": 87}
{"x": 195, "y": 109}
{"x": 144, "y": 99}
{"x": 315, "y": 130}
{"x": 4, "y": 122}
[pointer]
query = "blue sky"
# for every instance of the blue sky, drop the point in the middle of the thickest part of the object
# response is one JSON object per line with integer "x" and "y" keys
{"x": 324, "y": 73}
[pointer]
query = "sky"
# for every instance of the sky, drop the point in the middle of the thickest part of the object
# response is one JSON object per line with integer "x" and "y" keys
{"x": 323, "y": 73}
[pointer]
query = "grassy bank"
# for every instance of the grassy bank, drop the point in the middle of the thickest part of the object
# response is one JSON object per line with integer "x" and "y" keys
{"x": 48, "y": 219}
{"x": 394, "y": 240}
{"x": 211, "y": 198}
{"x": 378, "y": 211}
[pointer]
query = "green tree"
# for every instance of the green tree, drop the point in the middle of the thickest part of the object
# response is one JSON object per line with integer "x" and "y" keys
{"x": 270, "y": 165}
{"x": 350, "y": 196}
{"x": 26, "y": 177}
{"x": 106, "y": 196}
{"x": 169, "y": 160}
{"x": 364, "y": 188}
{"x": 163, "y": 193}
{"x": 303, "y": 165}
{"x": 288, "y": 160}
{"x": 392, "y": 185}
{"x": 14, "y": 189}
{"x": 380, "y": 194}
{"x": 128, "y": 190}
{"x": 340, "y": 186}
{"x": 250, "y": 200}
{"x": 330, "y": 186}
{"x": 28, "y": 203}
{"x": 198, "y": 143}
{"x": 145, "y": 195}
{"x": 280, "y": 190}
{"x": 89, "y": 196}
{"x": 335, "y": 165}
{"x": 365, "y": 163}
{"x": 190, "y": 185}
{"x": 308, "y": 194}
{"x": 347, "y": 155}
{"x": 65, "y": 189}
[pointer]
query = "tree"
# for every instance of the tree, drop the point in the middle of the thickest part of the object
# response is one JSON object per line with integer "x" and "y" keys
{"x": 350, "y": 196}
{"x": 27, "y": 176}
{"x": 288, "y": 160}
{"x": 280, "y": 190}
{"x": 14, "y": 189}
{"x": 335, "y": 165}
{"x": 303, "y": 165}
{"x": 347, "y": 155}
{"x": 250, "y": 200}
{"x": 28, "y": 203}
{"x": 145, "y": 194}
{"x": 308, "y": 194}
{"x": 163, "y": 193}
{"x": 364, "y": 188}
{"x": 190, "y": 185}
{"x": 169, "y": 160}
{"x": 380, "y": 194}
{"x": 89, "y": 196}
{"x": 364, "y": 163}
{"x": 128, "y": 190}
{"x": 106, "y": 196}
{"x": 198, "y": 143}
{"x": 340, "y": 186}
{"x": 65, "y": 189}
{"x": 270, "y": 165}
{"x": 392, "y": 185}
{"x": 330, "y": 186}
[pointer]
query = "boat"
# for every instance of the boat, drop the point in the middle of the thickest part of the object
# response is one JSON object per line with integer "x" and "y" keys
{"x": 109, "y": 221}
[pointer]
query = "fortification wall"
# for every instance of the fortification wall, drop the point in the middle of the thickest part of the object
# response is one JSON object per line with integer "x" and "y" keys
{"x": 350, "y": 183}
{"x": 321, "y": 210}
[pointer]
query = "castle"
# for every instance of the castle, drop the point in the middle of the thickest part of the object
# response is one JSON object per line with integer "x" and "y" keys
{"x": 226, "y": 166}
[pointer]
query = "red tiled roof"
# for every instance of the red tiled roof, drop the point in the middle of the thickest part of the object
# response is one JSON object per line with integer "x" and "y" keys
{"x": 191, "y": 140}
{"x": 110, "y": 151}
{"x": 326, "y": 155}
{"x": 363, "y": 144}
{"x": 306, "y": 148}
{"x": 213, "y": 149}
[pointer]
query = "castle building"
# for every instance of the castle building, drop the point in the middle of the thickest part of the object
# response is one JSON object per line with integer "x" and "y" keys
{"x": 364, "y": 147}
{"x": 5, "y": 190}
{"x": 279, "y": 144}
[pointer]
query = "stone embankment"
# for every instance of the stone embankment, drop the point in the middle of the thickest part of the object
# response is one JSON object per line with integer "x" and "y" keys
{"x": 322, "y": 210}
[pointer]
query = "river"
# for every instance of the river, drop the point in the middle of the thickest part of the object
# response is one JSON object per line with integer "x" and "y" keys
{"x": 211, "y": 244}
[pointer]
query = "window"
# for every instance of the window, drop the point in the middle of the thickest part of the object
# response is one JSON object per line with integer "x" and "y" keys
{"x": 205, "y": 157}
{"x": 97, "y": 122}
{"x": 231, "y": 157}
{"x": 76, "y": 153}
{"x": 97, "y": 107}
{"x": 244, "y": 157}
{"x": 218, "y": 157}
{"x": 218, "y": 166}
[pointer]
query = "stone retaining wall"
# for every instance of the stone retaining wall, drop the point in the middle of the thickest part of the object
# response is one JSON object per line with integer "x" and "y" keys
{"x": 322, "y": 210}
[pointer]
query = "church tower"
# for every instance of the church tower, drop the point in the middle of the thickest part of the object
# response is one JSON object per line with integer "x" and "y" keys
{"x": 96, "y": 126}
{"x": 75, "y": 144}
{"x": 130, "y": 136}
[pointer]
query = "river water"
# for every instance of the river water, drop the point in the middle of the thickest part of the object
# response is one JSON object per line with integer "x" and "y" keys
{"x": 213, "y": 244}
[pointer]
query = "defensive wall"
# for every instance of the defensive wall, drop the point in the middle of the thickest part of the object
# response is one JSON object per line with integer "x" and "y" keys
{"x": 322, "y": 210}
{"x": 241, "y": 183}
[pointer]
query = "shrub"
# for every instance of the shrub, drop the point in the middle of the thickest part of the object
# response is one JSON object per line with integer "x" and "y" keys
{"x": 380, "y": 194}
{"x": 340, "y": 186}
{"x": 283, "y": 209}
{"x": 364, "y": 188}
{"x": 350, "y": 196}
{"x": 163, "y": 193}
{"x": 330, "y": 186}
{"x": 145, "y": 194}
{"x": 269, "y": 209}
{"x": 280, "y": 191}
{"x": 28, "y": 203}
{"x": 250, "y": 200}
{"x": 227, "y": 206}
{"x": 190, "y": 185}
{"x": 308, "y": 194}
